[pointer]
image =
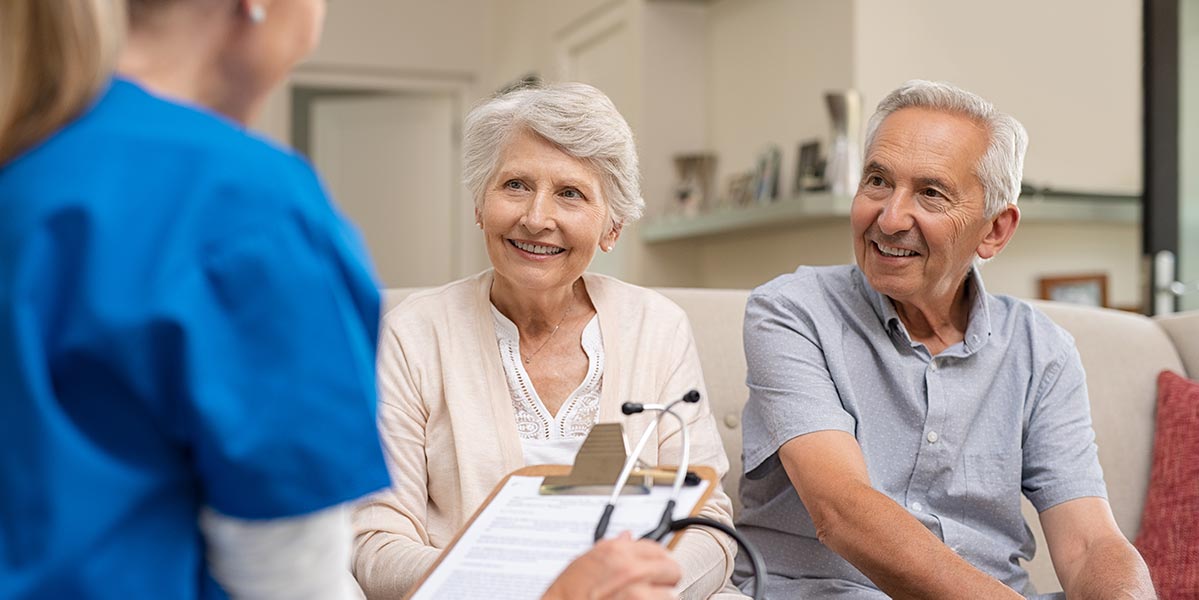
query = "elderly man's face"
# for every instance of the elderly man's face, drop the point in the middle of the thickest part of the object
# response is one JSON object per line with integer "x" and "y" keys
{"x": 918, "y": 217}
{"x": 543, "y": 215}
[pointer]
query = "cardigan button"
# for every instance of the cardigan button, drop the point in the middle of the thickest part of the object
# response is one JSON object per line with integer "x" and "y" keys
{"x": 732, "y": 421}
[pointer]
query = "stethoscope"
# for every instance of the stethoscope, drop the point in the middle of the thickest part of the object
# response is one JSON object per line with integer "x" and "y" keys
{"x": 668, "y": 524}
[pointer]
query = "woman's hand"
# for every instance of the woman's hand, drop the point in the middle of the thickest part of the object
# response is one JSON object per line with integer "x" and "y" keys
{"x": 618, "y": 569}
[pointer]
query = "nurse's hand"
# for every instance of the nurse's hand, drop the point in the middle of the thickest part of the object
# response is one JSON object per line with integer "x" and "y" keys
{"x": 618, "y": 569}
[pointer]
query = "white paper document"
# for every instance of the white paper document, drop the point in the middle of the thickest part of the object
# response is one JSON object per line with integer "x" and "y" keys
{"x": 523, "y": 540}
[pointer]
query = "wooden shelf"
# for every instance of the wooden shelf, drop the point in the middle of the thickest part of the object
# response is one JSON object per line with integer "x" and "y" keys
{"x": 817, "y": 207}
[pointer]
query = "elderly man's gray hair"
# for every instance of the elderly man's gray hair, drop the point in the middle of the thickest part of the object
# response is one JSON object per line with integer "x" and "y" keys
{"x": 1002, "y": 166}
{"x": 573, "y": 116}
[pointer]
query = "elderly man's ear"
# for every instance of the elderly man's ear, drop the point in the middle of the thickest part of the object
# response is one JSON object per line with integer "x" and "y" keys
{"x": 608, "y": 241}
{"x": 1003, "y": 227}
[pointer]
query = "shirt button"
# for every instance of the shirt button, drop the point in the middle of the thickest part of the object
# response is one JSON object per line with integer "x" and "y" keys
{"x": 932, "y": 437}
{"x": 916, "y": 506}
{"x": 932, "y": 365}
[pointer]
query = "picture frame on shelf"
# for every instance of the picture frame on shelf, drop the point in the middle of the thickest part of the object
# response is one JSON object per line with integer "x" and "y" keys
{"x": 1086, "y": 289}
{"x": 809, "y": 168}
{"x": 740, "y": 189}
{"x": 766, "y": 175}
{"x": 693, "y": 184}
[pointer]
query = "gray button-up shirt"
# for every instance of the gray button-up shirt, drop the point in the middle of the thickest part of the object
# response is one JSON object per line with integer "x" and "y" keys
{"x": 954, "y": 438}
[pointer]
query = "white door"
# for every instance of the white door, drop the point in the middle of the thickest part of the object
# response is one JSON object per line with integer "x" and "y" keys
{"x": 390, "y": 163}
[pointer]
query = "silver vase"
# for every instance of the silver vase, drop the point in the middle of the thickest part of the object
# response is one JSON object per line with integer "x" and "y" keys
{"x": 845, "y": 157}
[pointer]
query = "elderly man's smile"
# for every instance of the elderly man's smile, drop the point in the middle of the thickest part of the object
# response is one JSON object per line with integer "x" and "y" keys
{"x": 894, "y": 251}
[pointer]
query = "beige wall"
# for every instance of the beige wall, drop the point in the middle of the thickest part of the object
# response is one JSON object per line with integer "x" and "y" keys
{"x": 1070, "y": 70}
{"x": 771, "y": 61}
{"x": 747, "y": 261}
{"x": 436, "y": 38}
{"x": 1038, "y": 250}
{"x": 1054, "y": 249}
{"x": 732, "y": 76}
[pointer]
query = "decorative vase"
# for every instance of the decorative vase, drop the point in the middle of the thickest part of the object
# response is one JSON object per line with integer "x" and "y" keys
{"x": 845, "y": 158}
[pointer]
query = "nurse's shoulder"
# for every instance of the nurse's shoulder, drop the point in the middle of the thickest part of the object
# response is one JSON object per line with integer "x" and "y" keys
{"x": 142, "y": 158}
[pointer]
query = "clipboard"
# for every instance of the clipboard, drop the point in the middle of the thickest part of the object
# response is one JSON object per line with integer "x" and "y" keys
{"x": 706, "y": 474}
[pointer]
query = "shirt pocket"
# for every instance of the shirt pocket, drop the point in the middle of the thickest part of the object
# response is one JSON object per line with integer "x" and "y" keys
{"x": 991, "y": 478}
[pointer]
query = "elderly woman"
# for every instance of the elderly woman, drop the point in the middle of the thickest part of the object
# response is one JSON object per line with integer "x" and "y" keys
{"x": 512, "y": 367}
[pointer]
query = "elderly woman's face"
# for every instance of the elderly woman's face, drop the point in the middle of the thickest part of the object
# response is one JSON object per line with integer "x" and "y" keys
{"x": 543, "y": 215}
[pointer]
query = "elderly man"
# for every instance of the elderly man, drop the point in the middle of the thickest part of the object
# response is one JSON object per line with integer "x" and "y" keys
{"x": 897, "y": 411}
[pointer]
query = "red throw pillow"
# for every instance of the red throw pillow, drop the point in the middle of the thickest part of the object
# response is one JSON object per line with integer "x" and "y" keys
{"x": 1169, "y": 536}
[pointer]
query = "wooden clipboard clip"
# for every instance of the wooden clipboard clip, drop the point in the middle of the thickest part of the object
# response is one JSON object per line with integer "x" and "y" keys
{"x": 598, "y": 464}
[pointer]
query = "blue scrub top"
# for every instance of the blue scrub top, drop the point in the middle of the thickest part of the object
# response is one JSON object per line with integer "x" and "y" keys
{"x": 184, "y": 321}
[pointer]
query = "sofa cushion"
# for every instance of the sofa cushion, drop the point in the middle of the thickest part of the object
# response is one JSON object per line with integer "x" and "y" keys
{"x": 716, "y": 317}
{"x": 1183, "y": 329}
{"x": 1170, "y": 525}
{"x": 1122, "y": 354}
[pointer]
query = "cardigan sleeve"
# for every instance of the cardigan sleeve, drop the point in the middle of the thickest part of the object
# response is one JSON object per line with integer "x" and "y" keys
{"x": 705, "y": 556}
{"x": 392, "y": 550}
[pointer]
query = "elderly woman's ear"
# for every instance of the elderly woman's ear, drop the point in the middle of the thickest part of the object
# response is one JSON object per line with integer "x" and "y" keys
{"x": 608, "y": 241}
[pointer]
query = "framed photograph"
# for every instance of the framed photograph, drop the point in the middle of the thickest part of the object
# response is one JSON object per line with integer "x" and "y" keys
{"x": 809, "y": 173}
{"x": 1090, "y": 290}
{"x": 693, "y": 188}
{"x": 740, "y": 189}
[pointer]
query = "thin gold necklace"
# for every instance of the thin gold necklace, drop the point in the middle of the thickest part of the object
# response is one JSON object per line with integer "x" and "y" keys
{"x": 569, "y": 307}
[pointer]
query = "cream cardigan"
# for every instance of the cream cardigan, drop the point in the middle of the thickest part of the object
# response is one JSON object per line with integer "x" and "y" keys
{"x": 449, "y": 433}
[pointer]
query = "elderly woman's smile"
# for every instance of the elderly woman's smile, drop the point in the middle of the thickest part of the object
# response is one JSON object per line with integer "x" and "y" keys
{"x": 538, "y": 250}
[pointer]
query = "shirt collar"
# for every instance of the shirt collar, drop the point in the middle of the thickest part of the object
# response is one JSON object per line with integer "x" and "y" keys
{"x": 978, "y": 327}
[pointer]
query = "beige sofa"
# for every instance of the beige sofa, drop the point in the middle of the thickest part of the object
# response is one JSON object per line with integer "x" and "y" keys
{"x": 1122, "y": 353}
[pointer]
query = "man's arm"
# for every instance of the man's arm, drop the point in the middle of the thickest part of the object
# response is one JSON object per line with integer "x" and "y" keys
{"x": 1090, "y": 555}
{"x": 872, "y": 532}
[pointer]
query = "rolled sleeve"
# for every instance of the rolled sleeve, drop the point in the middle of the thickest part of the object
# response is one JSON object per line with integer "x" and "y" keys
{"x": 791, "y": 392}
{"x": 1061, "y": 460}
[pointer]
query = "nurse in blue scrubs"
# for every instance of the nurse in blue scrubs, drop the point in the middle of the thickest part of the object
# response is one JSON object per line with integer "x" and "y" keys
{"x": 187, "y": 326}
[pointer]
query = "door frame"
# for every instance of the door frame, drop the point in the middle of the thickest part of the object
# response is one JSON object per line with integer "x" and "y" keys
{"x": 1160, "y": 199}
{"x": 459, "y": 87}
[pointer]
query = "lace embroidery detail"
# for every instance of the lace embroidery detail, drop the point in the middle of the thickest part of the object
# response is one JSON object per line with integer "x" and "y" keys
{"x": 579, "y": 412}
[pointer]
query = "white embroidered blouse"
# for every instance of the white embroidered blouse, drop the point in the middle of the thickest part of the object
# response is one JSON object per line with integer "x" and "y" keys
{"x": 546, "y": 438}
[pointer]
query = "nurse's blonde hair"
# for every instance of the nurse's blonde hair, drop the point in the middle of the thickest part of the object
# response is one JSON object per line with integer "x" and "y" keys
{"x": 54, "y": 57}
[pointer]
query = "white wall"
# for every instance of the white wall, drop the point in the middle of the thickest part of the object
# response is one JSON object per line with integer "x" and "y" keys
{"x": 438, "y": 38}
{"x": 747, "y": 261}
{"x": 732, "y": 76}
{"x": 1070, "y": 70}
{"x": 1053, "y": 249}
{"x": 771, "y": 62}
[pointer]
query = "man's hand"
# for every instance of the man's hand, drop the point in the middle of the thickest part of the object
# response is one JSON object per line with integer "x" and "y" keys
{"x": 618, "y": 569}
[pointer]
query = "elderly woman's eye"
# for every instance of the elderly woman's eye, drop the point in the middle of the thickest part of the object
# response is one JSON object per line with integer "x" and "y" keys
{"x": 874, "y": 180}
{"x": 572, "y": 194}
{"x": 514, "y": 184}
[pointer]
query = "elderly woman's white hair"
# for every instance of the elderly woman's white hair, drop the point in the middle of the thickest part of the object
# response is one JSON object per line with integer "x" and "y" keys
{"x": 573, "y": 116}
{"x": 1002, "y": 166}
